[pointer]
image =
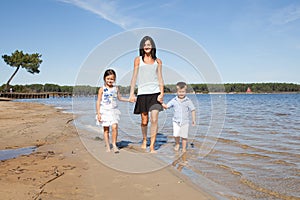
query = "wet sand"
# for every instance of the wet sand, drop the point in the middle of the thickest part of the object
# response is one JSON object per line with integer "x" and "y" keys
{"x": 62, "y": 168}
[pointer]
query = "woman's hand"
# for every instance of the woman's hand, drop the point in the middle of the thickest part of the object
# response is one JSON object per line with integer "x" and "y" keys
{"x": 132, "y": 98}
{"x": 160, "y": 98}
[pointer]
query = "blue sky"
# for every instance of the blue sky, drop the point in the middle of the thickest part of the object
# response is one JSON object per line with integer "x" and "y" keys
{"x": 248, "y": 40}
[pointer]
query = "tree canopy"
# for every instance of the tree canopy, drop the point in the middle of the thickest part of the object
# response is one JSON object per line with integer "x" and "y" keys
{"x": 30, "y": 62}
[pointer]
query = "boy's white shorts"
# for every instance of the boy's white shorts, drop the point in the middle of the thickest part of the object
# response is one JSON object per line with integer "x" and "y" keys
{"x": 180, "y": 131}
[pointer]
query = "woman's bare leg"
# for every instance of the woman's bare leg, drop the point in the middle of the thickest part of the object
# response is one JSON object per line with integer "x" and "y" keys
{"x": 153, "y": 129}
{"x": 144, "y": 127}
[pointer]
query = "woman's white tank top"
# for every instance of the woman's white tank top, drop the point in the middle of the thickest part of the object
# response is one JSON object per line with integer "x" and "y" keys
{"x": 147, "y": 78}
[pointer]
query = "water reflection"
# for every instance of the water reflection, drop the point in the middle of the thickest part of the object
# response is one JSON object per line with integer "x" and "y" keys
{"x": 180, "y": 162}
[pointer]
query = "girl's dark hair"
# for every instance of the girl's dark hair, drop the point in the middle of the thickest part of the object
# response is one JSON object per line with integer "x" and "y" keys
{"x": 109, "y": 72}
{"x": 153, "y": 50}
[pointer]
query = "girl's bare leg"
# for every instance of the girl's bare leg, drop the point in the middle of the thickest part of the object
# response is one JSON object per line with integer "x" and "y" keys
{"x": 114, "y": 137}
{"x": 153, "y": 129}
{"x": 106, "y": 138}
{"x": 144, "y": 127}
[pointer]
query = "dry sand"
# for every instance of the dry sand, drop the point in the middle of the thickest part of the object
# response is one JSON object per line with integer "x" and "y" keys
{"x": 62, "y": 168}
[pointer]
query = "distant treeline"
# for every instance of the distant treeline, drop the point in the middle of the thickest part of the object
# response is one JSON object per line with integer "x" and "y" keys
{"x": 170, "y": 88}
{"x": 242, "y": 87}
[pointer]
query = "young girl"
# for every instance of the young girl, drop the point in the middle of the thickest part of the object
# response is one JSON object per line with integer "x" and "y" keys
{"x": 148, "y": 73}
{"x": 107, "y": 111}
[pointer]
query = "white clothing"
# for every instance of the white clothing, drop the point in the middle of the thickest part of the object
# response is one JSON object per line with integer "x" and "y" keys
{"x": 108, "y": 107}
{"x": 108, "y": 117}
{"x": 180, "y": 131}
{"x": 147, "y": 78}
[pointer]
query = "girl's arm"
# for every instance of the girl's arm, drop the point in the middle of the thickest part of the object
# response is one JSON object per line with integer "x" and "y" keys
{"x": 132, "y": 97}
{"x": 100, "y": 92}
{"x": 160, "y": 98}
{"x": 120, "y": 98}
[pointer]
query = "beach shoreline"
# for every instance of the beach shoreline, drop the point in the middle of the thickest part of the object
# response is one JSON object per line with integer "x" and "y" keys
{"x": 62, "y": 168}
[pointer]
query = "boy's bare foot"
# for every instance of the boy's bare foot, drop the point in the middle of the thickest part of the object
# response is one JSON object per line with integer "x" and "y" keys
{"x": 144, "y": 144}
{"x": 176, "y": 148}
{"x": 107, "y": 150}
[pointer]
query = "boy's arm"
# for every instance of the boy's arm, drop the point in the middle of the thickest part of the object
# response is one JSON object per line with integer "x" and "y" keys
{"x": 168, "y": 105}
{"x": 165, "y": 106}
{"x": 193, "y": 117}
{"x": 193, "y": 110}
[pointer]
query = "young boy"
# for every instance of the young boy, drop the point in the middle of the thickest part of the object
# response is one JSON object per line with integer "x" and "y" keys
{"x": 182, "y": 108}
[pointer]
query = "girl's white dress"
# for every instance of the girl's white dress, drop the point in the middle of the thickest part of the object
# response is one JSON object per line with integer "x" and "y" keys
{"x": 110, "y": 114}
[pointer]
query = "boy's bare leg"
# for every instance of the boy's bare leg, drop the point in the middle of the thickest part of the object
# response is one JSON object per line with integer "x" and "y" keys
{"x": 184, "y": 142}
{"x": 106, "y": 138}
{"x": 177, "y": 140}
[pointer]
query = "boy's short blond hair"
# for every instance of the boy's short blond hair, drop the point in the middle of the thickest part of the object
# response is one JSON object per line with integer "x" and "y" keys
{"x": 181, "y": 85}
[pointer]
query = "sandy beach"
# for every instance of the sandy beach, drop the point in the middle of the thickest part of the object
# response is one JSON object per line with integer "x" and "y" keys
{"x": 61, "y": 167}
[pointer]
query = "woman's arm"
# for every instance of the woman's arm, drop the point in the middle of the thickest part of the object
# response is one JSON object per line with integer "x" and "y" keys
{"x": 132, "y": 97}
{"x": 160, "y": 98}
{"x": 100, "y": 92}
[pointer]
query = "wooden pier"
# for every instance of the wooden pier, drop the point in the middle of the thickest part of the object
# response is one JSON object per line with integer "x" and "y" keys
{"x": 45, "y": 95}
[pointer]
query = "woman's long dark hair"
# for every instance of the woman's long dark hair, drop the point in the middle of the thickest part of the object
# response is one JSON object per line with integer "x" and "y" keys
{"x": 153, "y": 50}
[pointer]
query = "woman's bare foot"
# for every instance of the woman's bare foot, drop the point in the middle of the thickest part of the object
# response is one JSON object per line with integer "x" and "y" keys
{"x": 116, "y": 149}
{"x": 152, "y": 151}
{"x": 107, "y": 148}
{"x": 144, "y": 144}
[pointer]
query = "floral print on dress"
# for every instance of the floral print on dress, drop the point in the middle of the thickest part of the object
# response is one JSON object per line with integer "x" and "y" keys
{"x": 109, "y": 97}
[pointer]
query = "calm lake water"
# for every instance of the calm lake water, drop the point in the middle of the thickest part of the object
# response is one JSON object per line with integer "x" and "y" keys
{"x": 254, "y": 156}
